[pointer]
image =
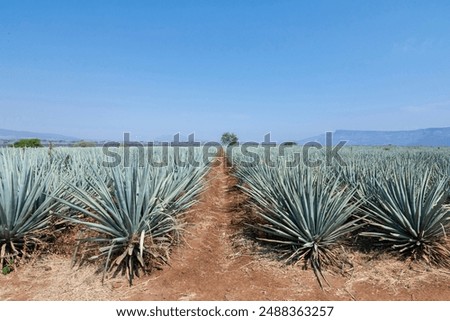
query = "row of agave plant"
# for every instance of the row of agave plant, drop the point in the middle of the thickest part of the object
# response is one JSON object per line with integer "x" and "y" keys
{"x": 129, "y": 215}
{"x": 396, "y": 198}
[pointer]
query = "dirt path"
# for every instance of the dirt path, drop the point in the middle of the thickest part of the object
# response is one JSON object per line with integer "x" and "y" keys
{"x": 208, "y": 266}
{"x": 215, "y": 262}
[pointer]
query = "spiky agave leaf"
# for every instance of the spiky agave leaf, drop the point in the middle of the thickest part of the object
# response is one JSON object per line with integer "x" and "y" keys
{"x": 409, "y": 215}
{"x": 24, "y": 205}
{"x": 305, "y": 212}
{"x": 130, "y": 212}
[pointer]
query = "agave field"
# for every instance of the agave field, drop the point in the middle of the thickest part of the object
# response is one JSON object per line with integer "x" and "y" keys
{"x": 128, "y": 215}
{"x": 399, "y": 199}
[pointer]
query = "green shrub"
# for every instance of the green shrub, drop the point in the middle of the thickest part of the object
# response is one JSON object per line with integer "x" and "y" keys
{"x": 84, "y": 144}
{"x": 28, "y": 142}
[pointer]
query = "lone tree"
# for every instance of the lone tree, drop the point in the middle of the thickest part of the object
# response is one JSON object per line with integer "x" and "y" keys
{"x": 229, "y": 139}
{"x": 30, "y": 142}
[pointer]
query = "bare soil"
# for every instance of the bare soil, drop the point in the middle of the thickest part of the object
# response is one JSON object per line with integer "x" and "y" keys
{"x": 217, "y": 261}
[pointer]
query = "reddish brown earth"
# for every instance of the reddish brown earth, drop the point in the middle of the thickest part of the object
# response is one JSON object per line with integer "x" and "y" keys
{"x": 217, "y": 262}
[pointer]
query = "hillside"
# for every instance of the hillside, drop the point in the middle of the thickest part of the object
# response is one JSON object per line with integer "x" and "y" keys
{"x": 6, "y": 134}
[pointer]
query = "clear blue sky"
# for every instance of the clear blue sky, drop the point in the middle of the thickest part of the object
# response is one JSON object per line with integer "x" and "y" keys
{"x": 94, "y": 69}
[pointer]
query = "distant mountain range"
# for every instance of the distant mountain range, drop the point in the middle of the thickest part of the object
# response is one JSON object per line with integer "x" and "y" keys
{"x": 419, "y": 137}
{"x": 6, "y": 134}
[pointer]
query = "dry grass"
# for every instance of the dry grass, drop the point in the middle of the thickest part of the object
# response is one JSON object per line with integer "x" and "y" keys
{"x": 52, "y": 278}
